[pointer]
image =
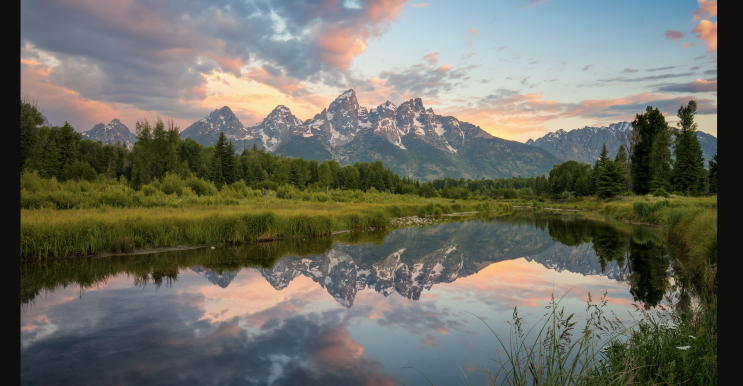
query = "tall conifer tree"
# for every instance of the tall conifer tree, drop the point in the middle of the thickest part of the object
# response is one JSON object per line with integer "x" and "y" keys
{"x": 689, "y": 166}
{"x": 648, "y": 124}
{"x": 713, "y": 174}
{"x": 660, "y": 161}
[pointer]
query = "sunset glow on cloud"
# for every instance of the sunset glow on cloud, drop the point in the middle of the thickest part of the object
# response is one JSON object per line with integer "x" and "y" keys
{"x": 512, "y": 68}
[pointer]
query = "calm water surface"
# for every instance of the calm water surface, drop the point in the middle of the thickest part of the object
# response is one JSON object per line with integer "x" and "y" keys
{"x": 327, "y": 312}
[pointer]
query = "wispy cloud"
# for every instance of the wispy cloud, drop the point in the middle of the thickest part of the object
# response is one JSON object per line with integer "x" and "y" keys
{"x": 688, "y": 44}
{"x": 501, "y": 48}
{"x": 420, "y": 5}
{"x": 431, "y": 58}
{"x": 698, "y": 85}
{"x": 673, "y": 35}
{"x": 473, "y": 31}
{"x": 661, "y": 68}
{"x": 588, "y": 67}
{"x": 531, "y": 3}
{"x": 629, "y": 70}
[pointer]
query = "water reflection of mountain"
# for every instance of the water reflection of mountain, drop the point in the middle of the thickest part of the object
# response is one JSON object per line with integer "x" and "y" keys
{"x": 411, "y": 260}
{"x": 581, "y": 259}
{"x": 223, "y": 280}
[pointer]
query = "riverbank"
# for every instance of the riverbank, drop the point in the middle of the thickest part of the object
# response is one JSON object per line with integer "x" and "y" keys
{"x": 674, "y": 343}
{"x": 58, "y": 233}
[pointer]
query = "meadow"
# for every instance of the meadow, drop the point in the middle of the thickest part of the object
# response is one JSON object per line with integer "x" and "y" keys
{"x": 84, "y": 218}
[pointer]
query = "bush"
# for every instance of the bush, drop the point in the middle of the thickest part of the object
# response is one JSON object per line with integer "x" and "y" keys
{"x": 422, "y": 212}
{"x": 641, "y": 208}
{"x": 660, "y": 192}
{"x": 437, "y": 212}
{"x": 660, "y": 205}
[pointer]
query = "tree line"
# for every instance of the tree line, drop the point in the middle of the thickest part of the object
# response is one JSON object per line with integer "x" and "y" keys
{"x": 643, "y": 163}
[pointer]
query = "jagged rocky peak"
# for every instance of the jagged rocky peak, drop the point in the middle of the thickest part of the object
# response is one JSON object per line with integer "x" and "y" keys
{"x": 113, "y": 132}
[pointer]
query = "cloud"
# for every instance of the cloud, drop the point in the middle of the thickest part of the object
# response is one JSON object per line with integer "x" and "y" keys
{"x": 531, "y": 3}
{"x": 707, "y": 9}
{"x": 588, "y": 67}
{"x": 420, "y": 5}
{"x": 694, "y": 68}
{"x": 629, "y": 70}
{"x": 707, "y": 32}
{"x": 698, "y": 85}
{"x": 431, "y": 58}
{"x": 468, "y": 56}
{"x": 673, "y": 35}
{"x": 645, "y": 78}
{"x": 501, "y": 48}
{"x": 509, "y": 113}
{"x": 157, "y": 56}
{"x": 688, "y": 44}
{"x": 472, "y": 31}
{"x": 661, "y": 68}
{"x": 422, "y": 80}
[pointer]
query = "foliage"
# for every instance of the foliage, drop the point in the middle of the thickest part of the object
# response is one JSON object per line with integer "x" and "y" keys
{"x": 713, "y": 174}
{"x": 688, "y": 171}
{"x": 648, "y": 125}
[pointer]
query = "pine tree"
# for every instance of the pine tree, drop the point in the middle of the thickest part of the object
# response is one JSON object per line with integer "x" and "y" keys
{"x": 713, "y": 174}
{"x": 52, "y": 168}
{"x": 689, "y": 166}
{"x": 609, "y": 176}
{"x": 352, "y": 178}
{"x": 648, "y": 126}
{"x": 216, "y": 172}
{"x": 622, "y": 162}
{"x": 229, "y": 166}
{"x": 660, "y": 161}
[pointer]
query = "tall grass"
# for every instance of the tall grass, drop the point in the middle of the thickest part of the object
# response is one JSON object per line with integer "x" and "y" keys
{"x": 59, "y": 233}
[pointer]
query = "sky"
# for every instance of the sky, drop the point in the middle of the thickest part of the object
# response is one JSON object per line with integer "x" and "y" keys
{"x": 518, "y": 69}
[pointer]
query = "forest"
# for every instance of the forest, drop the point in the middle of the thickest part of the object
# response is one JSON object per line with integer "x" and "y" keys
{"x": 654, "y": 160}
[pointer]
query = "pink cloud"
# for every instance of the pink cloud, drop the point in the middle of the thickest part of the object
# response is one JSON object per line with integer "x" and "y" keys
{"x": 707, "y": 32}
{"x": 473, "y": 31}
{"x": 688, "y": 44}
{"x": 420, "y": 5}
{"x": 673, "y": 35}
{"x": 431, "y": 58}
{"x": 707, "y": 9}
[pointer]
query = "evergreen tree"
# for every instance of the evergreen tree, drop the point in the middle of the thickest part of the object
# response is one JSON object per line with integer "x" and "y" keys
{"x": 622, "y": 162}
{"x": 713, "y": 174}
{"x": 324, "y": 175}
{"x": 216, "y": 172}
{"x": 51, "y": 165}
{"x": 67, "y": 145}
{"x": 352, "y": 178}
{"x": 313, "y": 172}
{"x": 660, "y": 161}
{"x": 229, "y": 166}
{"x": 30, "y": 118}
{"x": 609, "y": 176}
{"x": 689, "y": 166}
{"x": 648, "y": 125}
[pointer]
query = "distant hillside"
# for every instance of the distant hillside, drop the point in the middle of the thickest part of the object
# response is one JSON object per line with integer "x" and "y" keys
{"x": 584, "y": 145}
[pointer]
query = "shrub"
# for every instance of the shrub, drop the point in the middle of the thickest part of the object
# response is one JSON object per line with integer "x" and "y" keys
{"x": 641, "y": 208}
{"x": 437, "y": 212}
{"x": 660, "y": 205}
{"x": 660, "y": 192}
{"x": 422, "y": 212}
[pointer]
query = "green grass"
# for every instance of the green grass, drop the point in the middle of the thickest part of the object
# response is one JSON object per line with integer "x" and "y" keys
{"x": 58, "y": 233}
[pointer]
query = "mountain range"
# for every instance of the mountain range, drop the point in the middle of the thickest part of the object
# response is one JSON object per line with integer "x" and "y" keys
{"x": 410, "y": 139}
{"x": 113, "y": 132}
{"x": 584, "y": 145}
